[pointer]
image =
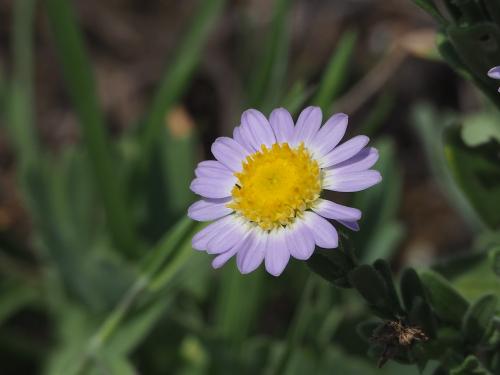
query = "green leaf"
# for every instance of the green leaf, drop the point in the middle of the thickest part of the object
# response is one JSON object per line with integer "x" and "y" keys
{"x": 477, "y": 171}
{"x": 336, "y": 72}
{"x": 80, "y": 81}
{"x": 333, "y": 266}
{"x": 447, "y": 303}
{"x": 495, "y": 260}
{"x": 421, "y": 316}
{"x": 267, "y": 81}
{"x": 380, "y": 204}
{"x": 493, "y": 8}
{"x": 372, "y": 288}
{"x": 20, "y": 103}
{"x": 480, "y": 128}
{"x": 478, "y": 318}
{"x": 478, "y": 46}
{"x": 411, "y": 288}
{"x": 470, "y": 366}
{"x": 430, "y": 7}
{"x": 384, "y": 270}
{"x": 177, "y": 76}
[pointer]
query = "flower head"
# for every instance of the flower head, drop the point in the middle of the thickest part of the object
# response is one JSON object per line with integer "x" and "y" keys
{"x": 264, "y": 189}
{"x": 494, "y": 73}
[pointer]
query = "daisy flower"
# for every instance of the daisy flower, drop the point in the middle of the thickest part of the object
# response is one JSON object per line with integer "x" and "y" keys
{"x": 264, "y": 189}
{"x": 494, "y": 73}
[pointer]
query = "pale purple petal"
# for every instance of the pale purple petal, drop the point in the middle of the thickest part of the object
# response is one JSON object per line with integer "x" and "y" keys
{"x": 252, "y": 252}
{"x": 201, "y": 239}
{"x": 324, "y": 233}
{"x": 282, "y": 124}
{"x": 351, "y": 182}
{"x": 329, "y": 135}
{"x": 363, "y": 160}
{"x": 230, "y": 153}
{"x": 209, "y": 209}
{"x": 300, "y": 241}
{"x": 255, "y": 126}
{"x": 344, "y": 152}
{"x": 213, "y": 187}
{"x": 307, "y": 126}
{"x": 226, "y": 239}
{"x": 277, "y": 253}
{"x": 222, "y": 259}
{"x": 238, "y": 137}
{"x": 335, "y": 211}
{"x": 352, "y": 225}
{"x": 494, "y": 72}
{"x": 212, "y": 168}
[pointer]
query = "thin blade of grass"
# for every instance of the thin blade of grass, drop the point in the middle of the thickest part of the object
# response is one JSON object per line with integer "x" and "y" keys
{"x": 176, "y": 78}
{"x": 335, "y": 74}
{"x": 77, "y": 72}
{"x": 267, "y": 82}
{"x": 20, "y": 106}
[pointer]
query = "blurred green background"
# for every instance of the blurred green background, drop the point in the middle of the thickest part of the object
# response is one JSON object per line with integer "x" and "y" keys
{"x": 106, "y": 107}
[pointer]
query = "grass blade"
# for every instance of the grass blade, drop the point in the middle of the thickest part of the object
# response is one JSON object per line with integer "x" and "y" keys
{"x": 336, "y": 72}
{"x": 80, "y": 81}
{"x": 267, "y": 82}
{"x": 177, "y": 76}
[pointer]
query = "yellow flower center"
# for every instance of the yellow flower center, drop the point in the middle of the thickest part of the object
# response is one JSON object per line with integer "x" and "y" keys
{"x": 276, "y": 185}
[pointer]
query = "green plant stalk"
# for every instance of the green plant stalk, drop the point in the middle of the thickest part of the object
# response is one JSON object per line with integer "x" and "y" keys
{"x": 80, "y": 80}
{"x": 298, "y": 325}
{"x": 145, "y": 282}
{"x": 175, "y": 81}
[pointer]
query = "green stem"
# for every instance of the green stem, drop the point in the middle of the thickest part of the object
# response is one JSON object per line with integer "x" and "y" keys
{"x": 146, "y": 282}
{"x": 80, "y": 80}
{"x": 298, "y": 325}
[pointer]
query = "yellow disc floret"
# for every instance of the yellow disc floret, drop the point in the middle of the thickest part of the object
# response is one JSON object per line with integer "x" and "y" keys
{"x": 276, "y": 185}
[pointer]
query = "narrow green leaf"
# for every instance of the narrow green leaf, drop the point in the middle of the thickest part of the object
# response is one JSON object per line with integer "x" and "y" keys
{"x": 177, "y": 76}
{"x": 267, "y": 82}
{"x": 336, "y": 72}
{"x": 447, "y": 303}
{"x": 20, "y": 103}
{"x": 477, "y": 171}
{"x": 478, "y": 318}
{"x": 430, "y": 7}
{"x": 495, "y": 260}
{"x": 81, "y": 86}
{"x": 234, "y": 316}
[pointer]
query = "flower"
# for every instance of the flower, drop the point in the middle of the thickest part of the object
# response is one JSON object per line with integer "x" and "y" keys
{"x": 264, "y": 189}
{"x": 494, "y": 73}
